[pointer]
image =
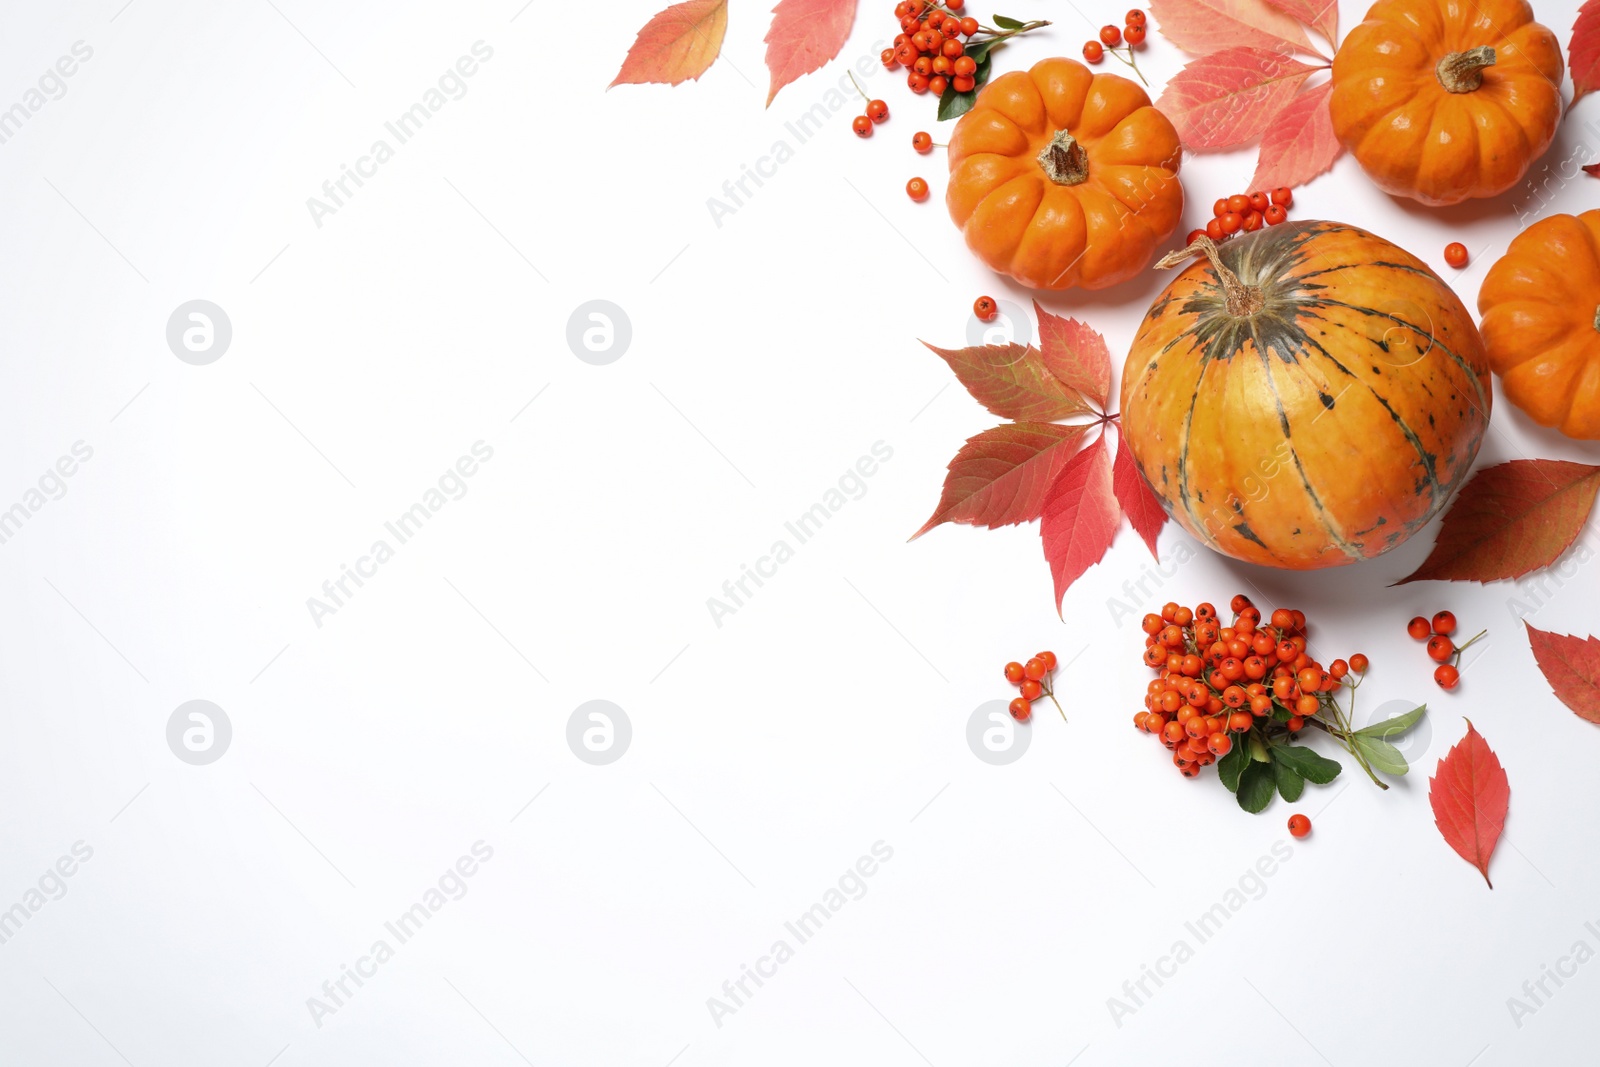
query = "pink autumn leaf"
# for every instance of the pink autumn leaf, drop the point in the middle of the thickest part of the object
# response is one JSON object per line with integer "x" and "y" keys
{"x": 1080, "y": 516}
{"x": 1230, "y": 97}
{"x": 1320, "y": 15}
{"x": 1076, "y": 354}
{"x": 1201, "y": 27}
{"x": 1138, "y": 502}
{"x": 805, "y": 34}
{"x": 677, "y": 45}
{"x": 1300, "y": 143}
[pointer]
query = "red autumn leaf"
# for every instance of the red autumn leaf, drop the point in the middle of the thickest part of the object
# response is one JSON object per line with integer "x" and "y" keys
{"x": 1076, "y": 354}
{"x": 677, "y": 45}
{"x": 1001, "y": 476}
{"x": 1583, "y": 52}
{"x": 1469, "y": 794}
{"x": 1229, "y": 97}
{"x": 1510, "y": 519}
{"x": 1572, "y": 667}
{"x": 1299, "y": 143}
{"x": 1080, "y": 516}
{"x": 805, "y": 34}
{"x": 1013, "y": 382}
{"x": 1205, "y": 26}
{"x": 1592, "y": 169}
{"x": 1138, "y": 502}
{"x": 1320, "y": 15}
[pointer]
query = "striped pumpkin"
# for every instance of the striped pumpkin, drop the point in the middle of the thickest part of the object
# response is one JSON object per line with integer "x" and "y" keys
{"x": 1307, "y": 397}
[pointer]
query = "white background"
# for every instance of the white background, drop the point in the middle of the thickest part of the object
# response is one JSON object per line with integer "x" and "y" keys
{"x": 768, "y": 754}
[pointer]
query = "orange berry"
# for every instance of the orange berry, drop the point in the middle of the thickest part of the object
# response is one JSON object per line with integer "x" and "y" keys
{"x": 1299, "y": 825}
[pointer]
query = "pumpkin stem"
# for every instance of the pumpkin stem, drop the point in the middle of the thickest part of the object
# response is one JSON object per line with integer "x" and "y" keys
{"x": 1462, "y": 72}
{"x": 1242, "y": 300}
{"x": 1597, "y": 320}
{"x": 1064, "y": 160}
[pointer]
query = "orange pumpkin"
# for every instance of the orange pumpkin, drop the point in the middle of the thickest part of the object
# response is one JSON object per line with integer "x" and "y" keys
{"x": 1441, "y": 101}
{"x": 1060, "y": 177}
{"x": 1307, "y": 398}
{"x": 1541, "y": 322}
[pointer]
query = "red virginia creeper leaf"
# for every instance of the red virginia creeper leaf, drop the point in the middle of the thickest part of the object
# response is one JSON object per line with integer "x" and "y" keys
{"x": 1205, "y": 26}
{"x": 1510, "y": 519}
{"x": 1320, "y": 15}
{"x": 805, "y": 34}
{"x": 1592, "y": 169}
{"x": 1002, "y": 476}
{"x": 1138, "y": 502}
{"x": 677, "y": 45}
{"x": 1229, "y": 97}
{"x": 1572, "y": 667}
{"x": 1080, "y": 516}
{"x": 1076, "y": 354}
{"x": 1469, "y": 794}
{"x": 1013, "y": 382}
{"x": 1583, "y": 51}
{"x": 1300, "y": 143}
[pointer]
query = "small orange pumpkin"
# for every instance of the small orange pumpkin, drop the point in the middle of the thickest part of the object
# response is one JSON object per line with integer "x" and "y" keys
{"x": 1541, "y": 322}
{"x": 1308, "y": 398}
{"x": 1442, "y": 101}
{"x": 1060, "y": 177}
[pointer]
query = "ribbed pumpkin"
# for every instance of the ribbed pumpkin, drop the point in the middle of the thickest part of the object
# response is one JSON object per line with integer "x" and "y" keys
{"x": 1061, "y": 177}
{"x": 1307, "y": 397}
{"x": 1541, "y": 322}
{"x": 1441, "y": 101}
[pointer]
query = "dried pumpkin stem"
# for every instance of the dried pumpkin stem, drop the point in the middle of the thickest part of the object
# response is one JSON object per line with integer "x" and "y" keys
{"x": 1462, "y": 72}
{"x": 1597, "y": 320}
{"x": 1064, "y": 161}
{"x": 1242, "y": 299}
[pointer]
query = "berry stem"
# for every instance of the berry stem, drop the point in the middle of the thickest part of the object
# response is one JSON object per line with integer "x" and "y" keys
{"x": 857, "y": 84}
{"x": 1463, "y": 647}
{"x": 1130, "y": 61}
{"x": 1051, "y": 693}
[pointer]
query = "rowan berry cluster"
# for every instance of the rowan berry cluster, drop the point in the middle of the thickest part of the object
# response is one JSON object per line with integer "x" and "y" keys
{"x": 1220, "y": 685}
{"x": 1441, "y": 649}
{"x": 1246, "y": 213}
{"x": 1130, "y": 36}
{"x": 1034, "y": 679}
{"x": 930, "y": 47}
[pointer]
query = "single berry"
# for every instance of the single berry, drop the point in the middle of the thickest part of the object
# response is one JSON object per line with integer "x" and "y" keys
{"x": 1220, "y": 208}
{"x": 1444, "y": 622}
{"x": 984, "y": 307}
{"x": 1189, "y": 240}
{"x": 1296, "y": 723}
{"x": 1440, "y": 648}
{"x": 1275, "y": 214}
{"x": 1446, "y": 675}
{"x": 1015, "y": 673}
{"x": 1134, "y": 17}
{"x": 1419, "y": 628}
{"x": 938, "y": 84}
{"x": 1238, "y": 203}
{"x": 918, "y": 82}
{"x": 1049, "y": 659}
{"x": 955, "y": 5}
{"x": 1282, "y": 197}
{"x": 1031, "y": 689}
{"x": 1283, "y": 618}
{"x": 1110, "y": 36}
{"x": 1358, "y": 663}
{"x": 888, "y": 58}
{"x": 1214, "y": 229}
{"x": 1231, "y": 222}
{"x": 1035, "y": 668}
{"x": 963, "y": 83}
{"x": 1219, "y": 744}
{"x": 917, "y": 189}
{"x": 969, "y": 26}
{"x": 1134, "y": 35}
{"x": 922, "y": 142}
{"x": 1455, "y": 254}
{"x": 877, "y": 111}
{"x": 965, "y": 65}
{"x": 862, "y": 125}
{"x": 1260, "y": 202}
{"x": 1021, "y": 709}
{"x": 952, "y": 49}
{"x": 1252, "y": 221}
{"x": 1299, "y": 825}
{"x": 1338, "y": 668}
{"x": 1093, "y": 51}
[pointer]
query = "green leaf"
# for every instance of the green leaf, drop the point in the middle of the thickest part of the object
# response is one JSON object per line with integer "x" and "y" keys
{"x": 1381, "y": 754}
{"x": 1307, "y": 764}
{"x": 1290, "y": 784}
{"x": 1007, "y": 23}
{"x": 1256, "y": 787}
{"x": 1397, "y": 725}
{"x": 1258, "y": 749}
{"x": 979, "y": 50}
{"x": 1231, "y": 766}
